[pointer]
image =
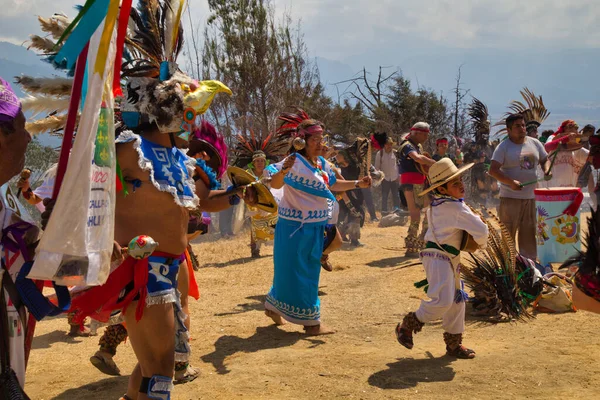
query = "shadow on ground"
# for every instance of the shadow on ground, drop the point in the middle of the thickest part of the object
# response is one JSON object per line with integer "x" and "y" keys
{"x": 408, "y": 372}
{"x": 270, "y": 337}
{"x": 394, "y": 262}
{"x": 46, "y": 340}
{"x": 109, "y": 388}
{"x": 237, "y": 261}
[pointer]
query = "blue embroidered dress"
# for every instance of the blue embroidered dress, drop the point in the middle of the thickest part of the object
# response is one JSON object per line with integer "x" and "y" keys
{"x": 304, "y": 210}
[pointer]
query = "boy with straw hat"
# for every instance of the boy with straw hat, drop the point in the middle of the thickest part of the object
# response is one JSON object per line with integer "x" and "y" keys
{"x": 449, "y": 219}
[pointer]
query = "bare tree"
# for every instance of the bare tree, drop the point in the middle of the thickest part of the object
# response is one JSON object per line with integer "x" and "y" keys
{"x": 459, "y": 114}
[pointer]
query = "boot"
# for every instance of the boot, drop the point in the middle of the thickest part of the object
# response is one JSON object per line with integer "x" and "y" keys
{"x": 454, "y": 347}
{"x": 404, "y": 332}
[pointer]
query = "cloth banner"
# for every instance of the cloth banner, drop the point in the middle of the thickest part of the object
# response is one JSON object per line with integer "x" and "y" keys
{"x": 77, "y": 245}
{"x": 558, "y": 233}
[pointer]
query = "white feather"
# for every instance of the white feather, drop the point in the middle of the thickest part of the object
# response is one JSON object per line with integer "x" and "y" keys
{"x": 173, "y": 15}
{"x": 46, "y": 86}
{"x": 44, "y": 104}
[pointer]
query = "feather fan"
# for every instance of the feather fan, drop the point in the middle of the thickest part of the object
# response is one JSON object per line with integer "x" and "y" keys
{"x": 45, "y": 104}
{"x": 492, "y": 275}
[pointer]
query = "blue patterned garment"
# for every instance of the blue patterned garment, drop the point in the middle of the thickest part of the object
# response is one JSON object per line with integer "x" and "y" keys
{"x": 171, "y": 170}
{"x": 304, "y": 210}
{"x": 306, "y": 195}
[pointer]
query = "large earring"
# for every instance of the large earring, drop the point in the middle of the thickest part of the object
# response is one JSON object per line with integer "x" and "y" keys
{"x": 299, "y": 143}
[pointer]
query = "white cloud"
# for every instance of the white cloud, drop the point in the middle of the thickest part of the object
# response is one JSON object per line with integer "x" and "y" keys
{"x": 341, "y": 28}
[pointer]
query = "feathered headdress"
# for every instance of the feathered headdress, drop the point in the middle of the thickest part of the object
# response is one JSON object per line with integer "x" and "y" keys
{"x": 480, "y": 118}
{"x": 493, "y": 275}
{"x": 248, "y": 147}
{"x": 156, "y": 91}
{"x": 359, "y": 153}
{"x": 532, "y": 109}
{"x": 298, "y": 125}
{"x": 587, "y": 277}
{"x": 206, "y": 138}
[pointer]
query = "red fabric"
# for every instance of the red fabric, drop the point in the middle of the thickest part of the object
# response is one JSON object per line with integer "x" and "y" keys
{"x": 100, "y": 301}
{"x": 193, "y": 290}
{"x": 439, "y": 141}
{"x": 121, "y": 33}
{"x": 412, "y": 178}
{"x": 575, "y": 204}
{"x": 574, "y": 207}
{"x": 118, "y": 184}
{"x": 553, "y": 145}
{"x": 420, "y": 130}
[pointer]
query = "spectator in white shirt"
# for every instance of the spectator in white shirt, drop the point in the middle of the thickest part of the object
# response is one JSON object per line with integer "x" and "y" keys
{"x": 386, "y": 161}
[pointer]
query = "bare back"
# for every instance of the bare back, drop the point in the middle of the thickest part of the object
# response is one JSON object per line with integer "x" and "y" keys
{"x": 147, "y": 211}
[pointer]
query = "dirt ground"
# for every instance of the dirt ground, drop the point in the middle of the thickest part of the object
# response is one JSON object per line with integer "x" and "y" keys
{"x": 241, "y": 354}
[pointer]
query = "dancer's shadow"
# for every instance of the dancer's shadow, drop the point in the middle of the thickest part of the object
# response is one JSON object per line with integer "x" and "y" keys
{"x": 243, "y": 260}
{"x": 393, "y": 262}
{"x": 46, "y": 340}
{"x": 408, "y": 372}
{"x": 109, "y": 388}
{"x": 269, "y": 337}
{"x": 257, "y": 305}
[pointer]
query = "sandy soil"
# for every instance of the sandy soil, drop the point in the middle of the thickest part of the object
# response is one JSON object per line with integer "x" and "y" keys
{"x": 241, "y": 354}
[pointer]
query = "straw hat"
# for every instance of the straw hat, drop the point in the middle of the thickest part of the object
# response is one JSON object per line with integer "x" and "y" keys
{"x": 443, "y": 172}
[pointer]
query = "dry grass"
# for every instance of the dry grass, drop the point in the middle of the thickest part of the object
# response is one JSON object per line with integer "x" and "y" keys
{"x": 242, "y": 355}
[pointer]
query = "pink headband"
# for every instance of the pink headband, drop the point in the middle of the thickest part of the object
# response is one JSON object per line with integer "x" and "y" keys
{"x": 312, "y": 130}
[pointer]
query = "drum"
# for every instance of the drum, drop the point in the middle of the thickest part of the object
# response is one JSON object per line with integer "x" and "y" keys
{"x": 558, "y": 228}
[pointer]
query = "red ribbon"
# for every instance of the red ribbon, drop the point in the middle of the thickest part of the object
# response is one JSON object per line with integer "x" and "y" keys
{"x": 572, "y": 209}
{"x": 121, "y": 34}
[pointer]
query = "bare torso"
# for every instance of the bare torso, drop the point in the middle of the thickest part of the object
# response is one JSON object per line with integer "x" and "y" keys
{"x": 148, "y": 211}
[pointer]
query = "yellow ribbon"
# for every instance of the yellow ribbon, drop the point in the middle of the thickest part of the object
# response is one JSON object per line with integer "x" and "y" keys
{"x": 107, "y": 33}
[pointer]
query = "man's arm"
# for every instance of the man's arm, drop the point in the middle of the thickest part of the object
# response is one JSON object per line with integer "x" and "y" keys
{"x": 421, "y": 159}
{"x": 495, "y": 173}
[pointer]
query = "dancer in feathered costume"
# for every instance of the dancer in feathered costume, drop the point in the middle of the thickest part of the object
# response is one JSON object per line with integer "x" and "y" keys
{"x": 307, "y": 181}
{"x": 481, "y": 186}
{"x": 158, "y": 111}
{"x": 254, "y": 153}
{"x": 586, "y": 288}
{"x": 355, "y": 163}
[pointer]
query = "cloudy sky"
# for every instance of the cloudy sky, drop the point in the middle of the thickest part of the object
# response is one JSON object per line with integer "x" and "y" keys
{"x": 338, "y": 29}
{"x": 551, "y": 46}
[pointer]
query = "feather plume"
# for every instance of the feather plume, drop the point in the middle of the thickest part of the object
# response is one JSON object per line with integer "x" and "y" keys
{"x": 45, "y": 104}
{"x": 493, "y": 276}
{"x": 155, "y": 35}
{"x": 204, "y": 135}
{"x": 478, "y": 112}
{"x": 42, "y": 44}
{"x": 45, "y": 86}
{"x": 274, "y": 147}
{"x": 289, "y": 121}
{"x": 52, "y": 124}
{"x": 532, "y": 109}
{"x": 54, "y": 25}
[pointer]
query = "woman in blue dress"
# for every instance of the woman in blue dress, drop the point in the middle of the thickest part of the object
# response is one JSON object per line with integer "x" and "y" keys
{"x": 307, "y": 180}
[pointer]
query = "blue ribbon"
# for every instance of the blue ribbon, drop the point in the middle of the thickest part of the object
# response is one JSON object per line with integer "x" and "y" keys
{"x": 81, "y": 34}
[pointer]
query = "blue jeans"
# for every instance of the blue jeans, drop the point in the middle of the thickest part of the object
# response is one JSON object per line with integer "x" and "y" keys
{"x": 386, "y": 188}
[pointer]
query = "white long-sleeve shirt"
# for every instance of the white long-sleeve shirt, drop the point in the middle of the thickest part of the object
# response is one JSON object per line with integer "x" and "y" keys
{"x": 449, "y": 219}
{"x": 387, "y": 163}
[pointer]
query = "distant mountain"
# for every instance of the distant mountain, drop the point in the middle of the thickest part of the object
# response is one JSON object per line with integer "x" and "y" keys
{"x": 567, "y": 80}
